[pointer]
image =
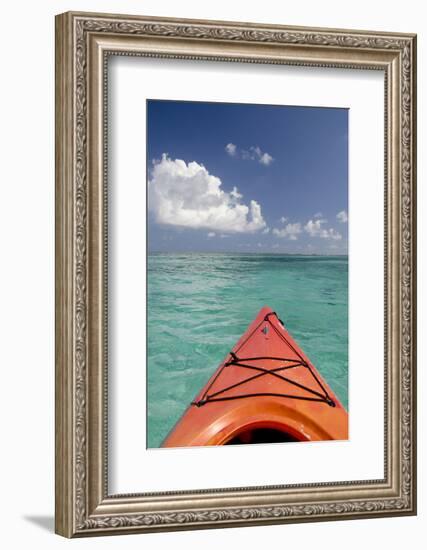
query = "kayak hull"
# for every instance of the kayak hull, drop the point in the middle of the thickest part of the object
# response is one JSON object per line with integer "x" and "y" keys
{"x": 265, "y": 390}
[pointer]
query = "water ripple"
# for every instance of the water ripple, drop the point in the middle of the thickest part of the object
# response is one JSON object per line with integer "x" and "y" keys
{"x": 200, "y": 304}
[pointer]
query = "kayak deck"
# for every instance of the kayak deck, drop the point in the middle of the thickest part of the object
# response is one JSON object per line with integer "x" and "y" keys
{"x": 266, "y": 390}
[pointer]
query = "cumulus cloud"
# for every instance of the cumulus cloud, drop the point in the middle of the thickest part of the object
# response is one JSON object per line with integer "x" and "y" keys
{"x": 283, "y": 219}
{"x": 211, "y": 234}
{"x": 315, "y": 228}
{"x": 318, "y": 215}
{"x": 263, "y": 158}
{"x": 290, "y": 231}
{"x": 234, "y": 193}
{"x": 253, "y": 153}
{"x": 266, "y": 230}
{"x": 187, "y": 195}
{"x": 342, "y": 216}
{"x": 231, "y": 149}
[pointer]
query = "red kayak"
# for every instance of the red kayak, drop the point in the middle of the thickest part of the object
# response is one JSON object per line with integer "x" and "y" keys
{"x": 266, "y": 390}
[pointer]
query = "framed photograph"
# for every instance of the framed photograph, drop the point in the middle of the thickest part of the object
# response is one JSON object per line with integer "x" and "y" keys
{"x": 235, "y": 274}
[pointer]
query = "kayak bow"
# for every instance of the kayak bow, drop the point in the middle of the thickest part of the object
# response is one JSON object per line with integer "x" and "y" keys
{"x": 266, "y": 390}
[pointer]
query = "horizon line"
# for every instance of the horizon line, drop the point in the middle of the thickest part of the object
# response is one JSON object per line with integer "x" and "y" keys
{"x": 244, "y": 252}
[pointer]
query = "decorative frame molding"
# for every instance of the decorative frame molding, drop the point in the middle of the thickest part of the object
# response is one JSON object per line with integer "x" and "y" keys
{"x": 83, "y": 43}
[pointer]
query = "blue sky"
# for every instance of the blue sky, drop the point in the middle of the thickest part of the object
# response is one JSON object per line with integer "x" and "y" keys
{"x": 247, "y": 178}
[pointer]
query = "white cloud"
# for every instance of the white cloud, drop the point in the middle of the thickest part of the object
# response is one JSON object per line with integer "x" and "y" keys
{"x": 283, "y": 219}
{"x": 263, "y": 158}
{"x": 266, "y": 230}
{"x": 235, "y": 193}
{"x": 342, "y": 216}
{"x": 253, "y": 153}
{"x": 315, "y": 229}
{"x": 318, "y": 215}
{"x": 266, "y": 159}
{"x": 290, "y": 231}
{"x": 231, "y": 149}
{"x": 211, "y": 234}
{"x": 187, "y": 195}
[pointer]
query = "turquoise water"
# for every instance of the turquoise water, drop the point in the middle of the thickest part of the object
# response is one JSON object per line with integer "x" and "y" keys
{"x": 200, "y": 304}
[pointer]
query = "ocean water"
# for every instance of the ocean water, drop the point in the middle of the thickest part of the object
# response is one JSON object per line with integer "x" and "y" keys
{"x": 200, "y": 304}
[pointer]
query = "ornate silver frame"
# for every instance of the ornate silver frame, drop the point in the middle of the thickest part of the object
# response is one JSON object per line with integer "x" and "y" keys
{"x": 83, "y": 505}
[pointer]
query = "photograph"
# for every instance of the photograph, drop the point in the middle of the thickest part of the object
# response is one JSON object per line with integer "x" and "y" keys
{"x": 247, "y": 273}
{"x": 235, "y": 271}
